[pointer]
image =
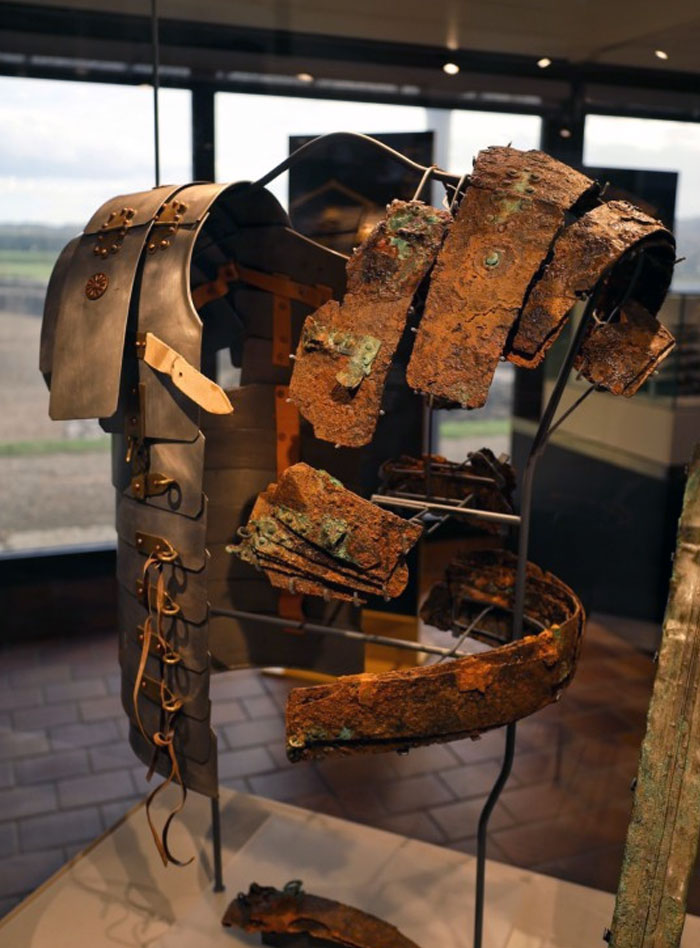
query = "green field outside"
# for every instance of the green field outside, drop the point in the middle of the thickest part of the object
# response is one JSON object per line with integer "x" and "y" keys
{"x": 464, "y": 428}
{"x": 28, "y": 265}
{"x": 13, "y": 449}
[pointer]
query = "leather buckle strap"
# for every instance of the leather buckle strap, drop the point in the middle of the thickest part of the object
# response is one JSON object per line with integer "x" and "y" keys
{"x": 190, "y": 381}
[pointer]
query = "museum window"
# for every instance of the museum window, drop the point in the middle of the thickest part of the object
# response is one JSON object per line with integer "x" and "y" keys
{"x": 67, "y": 147}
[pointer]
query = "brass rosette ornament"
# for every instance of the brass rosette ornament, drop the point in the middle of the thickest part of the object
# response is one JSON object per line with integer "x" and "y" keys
{"x": 462, "y": 697}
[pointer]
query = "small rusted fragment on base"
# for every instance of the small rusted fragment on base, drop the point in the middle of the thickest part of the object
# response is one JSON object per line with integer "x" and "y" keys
{"x": 345, "y": 349}
{"x": 617, "y": 358}
{"x": 311, "y": 535}
{"x": 267, "y": 910}
{"x": 662, "y": 839}
{"x": 503, "y": 230}
{"x": 455, "y": 699}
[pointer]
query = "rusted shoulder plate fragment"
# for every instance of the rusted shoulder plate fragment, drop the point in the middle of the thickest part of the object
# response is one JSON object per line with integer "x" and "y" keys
{"x": 615, "y": 354}
{"x": 486, "y": 480}
{"x": 292, "y": 911}
{"x": 501, "y": 235}
{"x": 455, "y": 699}
{"x": 309, "y": 534}
{"x": 662, "y": 838}
{"x": 346, "y": 348}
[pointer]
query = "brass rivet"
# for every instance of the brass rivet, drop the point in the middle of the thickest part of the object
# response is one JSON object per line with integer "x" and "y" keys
{"x": 96, "y": 286}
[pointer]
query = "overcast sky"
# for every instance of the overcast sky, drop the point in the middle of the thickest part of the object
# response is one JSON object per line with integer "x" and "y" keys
{"x": 65, "y": 147}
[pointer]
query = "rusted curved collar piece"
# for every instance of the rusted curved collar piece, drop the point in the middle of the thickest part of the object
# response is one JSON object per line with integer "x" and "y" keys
{"x": 291, "y": 911}
{"x": 461, "y": 698}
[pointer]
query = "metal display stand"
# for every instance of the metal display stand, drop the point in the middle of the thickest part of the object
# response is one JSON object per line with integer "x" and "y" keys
{"x": 444, "y": 509}
{"x": 422, "y": 505}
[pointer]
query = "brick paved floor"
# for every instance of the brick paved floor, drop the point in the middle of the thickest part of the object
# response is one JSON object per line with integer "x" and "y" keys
{"x": 67, "y": 773}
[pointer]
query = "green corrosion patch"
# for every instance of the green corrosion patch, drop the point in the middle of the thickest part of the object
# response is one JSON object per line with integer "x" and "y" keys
{"x": 345, "y": 734}
{"x": 360, "y": 350}
{"x": 332, "y": 534}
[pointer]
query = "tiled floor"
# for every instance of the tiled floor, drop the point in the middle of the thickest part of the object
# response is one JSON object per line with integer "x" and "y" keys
{"x": 66, "y": 771}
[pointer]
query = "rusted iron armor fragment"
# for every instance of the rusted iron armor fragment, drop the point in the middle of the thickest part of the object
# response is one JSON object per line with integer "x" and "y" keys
{"x": 512, "y": 210}
{"x": 345, "y": 349}
{"x": 311, "y": 535}
{"x": 291, "y": 911}
{"x": 460, "y": 698}
{"x": 662, "y": 838}
{"x": 619, "y": 354}
{"x": 481, "y": 481}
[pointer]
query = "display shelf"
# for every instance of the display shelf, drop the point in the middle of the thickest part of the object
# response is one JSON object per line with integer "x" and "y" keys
{"x": 117, "y": 893}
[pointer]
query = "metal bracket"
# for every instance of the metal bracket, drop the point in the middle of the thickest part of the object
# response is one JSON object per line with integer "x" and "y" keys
{"x": 170, "y": 217}
{"x": 113, "y": 231}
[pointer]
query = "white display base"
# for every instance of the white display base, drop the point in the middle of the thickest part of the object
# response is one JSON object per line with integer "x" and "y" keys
{"x": 117, "y": 892}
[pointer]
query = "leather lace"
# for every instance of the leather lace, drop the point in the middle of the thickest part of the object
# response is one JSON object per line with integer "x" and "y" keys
{"x": 159, "y": 605}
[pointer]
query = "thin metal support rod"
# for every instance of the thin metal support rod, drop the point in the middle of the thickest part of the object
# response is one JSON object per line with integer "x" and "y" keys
{"x": 301, "y": 152}
{"x": 216, "y": 842}
{"x": 385, "y": 500}
{"x": 338, "y": 633}
{"x": 156, "y": 88}
{"x": 538, "y": 445}
{"x": 572, "y": 408}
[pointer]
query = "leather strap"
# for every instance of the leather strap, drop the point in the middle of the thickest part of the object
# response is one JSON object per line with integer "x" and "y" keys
{"x": 275, "y": 283}
{"x": 281, "y": 330}
{"x": 170, "y": 703}
{"x": 201, "y": 390}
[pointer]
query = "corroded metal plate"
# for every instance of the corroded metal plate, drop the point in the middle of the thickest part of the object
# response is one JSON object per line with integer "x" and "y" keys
{"x": 514, "y": 206}
{"x": 346, "y": 349}
{"x": 309, "y": 532}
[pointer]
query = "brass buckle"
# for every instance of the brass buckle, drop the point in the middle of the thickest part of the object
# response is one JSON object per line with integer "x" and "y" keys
{"x": 152, "y": 545}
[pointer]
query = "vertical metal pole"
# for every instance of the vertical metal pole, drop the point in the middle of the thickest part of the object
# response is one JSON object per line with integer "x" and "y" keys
{"x": 538, "y": 445}
{"x": 216, "y": 841}
{"x": 156, "y": 88}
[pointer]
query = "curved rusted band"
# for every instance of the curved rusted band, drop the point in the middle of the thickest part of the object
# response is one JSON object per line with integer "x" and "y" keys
{"x": 451, "y": 700}
{"x": 621, "y": 353}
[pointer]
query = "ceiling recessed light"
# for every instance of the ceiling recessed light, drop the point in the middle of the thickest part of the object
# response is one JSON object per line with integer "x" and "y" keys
{"x": 305, "y": 77}
{"x": 451, "y": 69}
{"x": 660, "y": 54}
{"x": 544, "y": 62}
